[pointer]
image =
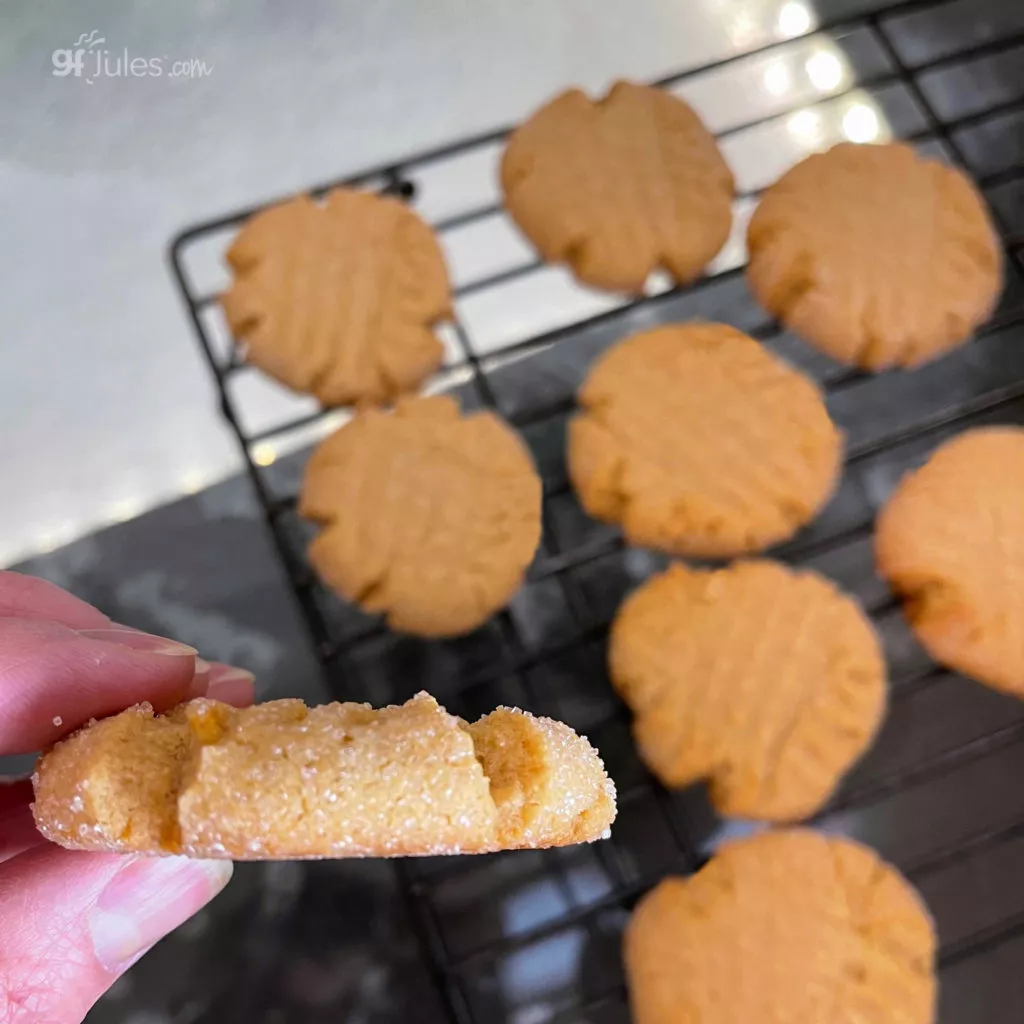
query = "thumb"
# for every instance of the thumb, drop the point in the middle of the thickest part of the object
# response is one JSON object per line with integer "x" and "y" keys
{"x": 74, "y": 922}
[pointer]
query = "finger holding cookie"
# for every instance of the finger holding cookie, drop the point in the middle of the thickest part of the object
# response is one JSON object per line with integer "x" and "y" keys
{"x": 73, "y": 922}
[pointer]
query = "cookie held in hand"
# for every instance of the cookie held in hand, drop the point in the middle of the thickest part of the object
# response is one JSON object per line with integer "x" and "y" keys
{"x": 281, "y": 781}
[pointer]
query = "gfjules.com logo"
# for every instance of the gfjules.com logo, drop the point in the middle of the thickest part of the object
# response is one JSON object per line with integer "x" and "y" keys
{"x": 89, "y": 59}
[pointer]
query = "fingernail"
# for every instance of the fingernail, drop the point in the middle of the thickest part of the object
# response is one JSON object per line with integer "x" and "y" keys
{"x": 231, "y": 686}
{"x": 136, "y": 641}
{"x": 146, "y": 899}
{"x": 200, "y": 680}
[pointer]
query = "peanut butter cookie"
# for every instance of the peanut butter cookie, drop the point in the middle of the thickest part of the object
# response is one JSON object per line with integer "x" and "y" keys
{"x": 768, "y": 683}
{"x": 783, "y": 927}
{"x": 337, "y": 297}
{"x": 429, "y": 516}
{"x": 875, "y": 255}
{"x": 283, "y": 781}
{"x": 701, "y": 442}
{"x": 619, "y": 187}
{"x": 950, "y": 541}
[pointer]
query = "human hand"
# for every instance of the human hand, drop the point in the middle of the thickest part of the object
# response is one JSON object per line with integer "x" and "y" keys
{"x": 72, "y": 922}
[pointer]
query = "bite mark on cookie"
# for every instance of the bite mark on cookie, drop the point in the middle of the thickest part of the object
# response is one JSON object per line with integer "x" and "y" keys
{"x": 280, "y": 780}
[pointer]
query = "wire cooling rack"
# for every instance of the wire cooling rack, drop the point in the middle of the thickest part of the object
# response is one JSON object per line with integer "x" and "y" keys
{"x": 534, "y": 937}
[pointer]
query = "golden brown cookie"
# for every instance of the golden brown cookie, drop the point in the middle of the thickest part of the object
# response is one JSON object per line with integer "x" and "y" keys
{"x": 283, "y": 781}
{"x": 783, "y": 927}
{"x": 337, "y": 297}
{"x": 950, "y": 541}
{"x": 619, "y": 187}
{"x": 768, "y": 683}
{"x": 875, "y": 255}
{"x": 701, "y": 442}
{"x": 429, "y": 516}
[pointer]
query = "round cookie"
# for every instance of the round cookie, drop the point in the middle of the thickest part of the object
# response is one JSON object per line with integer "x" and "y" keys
{"x": 768, "y": 683}
{"x": 429, "y": 516}
{"x": 701, "y": 442}
{"x": 783, "y": 927}
{"x": 875, "y": 255}
{"x": 619, "y": 187}
{"x": 337, "y": 297}
{"x": 281, "y": 781}
{"x": 950, "y": 541}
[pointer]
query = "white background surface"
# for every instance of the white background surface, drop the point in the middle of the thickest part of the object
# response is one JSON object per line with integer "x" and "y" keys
{"x": 105, "y": 407}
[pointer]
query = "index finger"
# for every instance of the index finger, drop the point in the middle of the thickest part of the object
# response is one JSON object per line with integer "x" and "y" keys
{"x": 54, "y": 679}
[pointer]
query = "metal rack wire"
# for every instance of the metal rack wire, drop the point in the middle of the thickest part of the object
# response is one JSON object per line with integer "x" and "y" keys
{"x": 534, "y": 937}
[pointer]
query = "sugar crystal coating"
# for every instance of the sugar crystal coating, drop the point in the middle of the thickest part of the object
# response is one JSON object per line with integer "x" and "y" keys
{"x": 280, "y": 780}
